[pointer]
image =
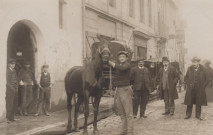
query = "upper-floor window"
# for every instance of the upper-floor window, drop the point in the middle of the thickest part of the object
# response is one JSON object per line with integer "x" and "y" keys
{"x": 131, "y": 8}
{"x": 61, "y": 13}
{"x": 142, "y": 11}
{"x": 150, "y": 12}
{"x": 112, "y": 3}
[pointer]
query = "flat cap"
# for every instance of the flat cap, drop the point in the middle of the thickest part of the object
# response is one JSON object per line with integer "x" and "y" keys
{"x": 195, "y": 59}
{"x": 123, "y": 52}
{"x": 12, "y": 61}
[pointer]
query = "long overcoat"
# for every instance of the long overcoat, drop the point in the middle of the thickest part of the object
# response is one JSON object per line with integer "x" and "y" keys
{"x": 202, "y": 83}
{"x": 172, "y": 82}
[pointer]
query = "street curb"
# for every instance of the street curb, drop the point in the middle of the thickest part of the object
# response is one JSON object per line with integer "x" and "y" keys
{"x": 60, "y": 128}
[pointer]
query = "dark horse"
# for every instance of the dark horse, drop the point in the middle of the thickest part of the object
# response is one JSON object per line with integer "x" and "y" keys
{"x": 86, "y": 82}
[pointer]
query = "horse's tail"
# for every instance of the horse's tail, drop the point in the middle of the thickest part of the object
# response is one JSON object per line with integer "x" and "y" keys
{"x": 66, "y": 82}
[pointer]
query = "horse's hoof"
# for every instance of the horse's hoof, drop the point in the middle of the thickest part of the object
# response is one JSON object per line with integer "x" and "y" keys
{"x": 69, "y": 128}
{"x": 95, "y": 132}
{"x": 77, "y": 129}
{"x": 85, "y": 133}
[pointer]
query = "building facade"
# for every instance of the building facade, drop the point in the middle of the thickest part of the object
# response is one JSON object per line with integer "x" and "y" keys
{"x": 37, "y": 31}
{"x": 61, "y": 32}
{"x": 149, "y": 27}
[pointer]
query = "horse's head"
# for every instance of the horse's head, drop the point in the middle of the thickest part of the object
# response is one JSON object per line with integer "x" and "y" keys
{"x": 104, "y": 53}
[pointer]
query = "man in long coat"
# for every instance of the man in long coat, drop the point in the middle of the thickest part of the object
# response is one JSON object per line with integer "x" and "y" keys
{"x": 196, "y": 80}
{"x": 167, "y": 79}
{"x": 141, "y": 87}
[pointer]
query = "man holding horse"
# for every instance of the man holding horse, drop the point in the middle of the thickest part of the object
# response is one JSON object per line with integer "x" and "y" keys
{"x": 124, "y": 92}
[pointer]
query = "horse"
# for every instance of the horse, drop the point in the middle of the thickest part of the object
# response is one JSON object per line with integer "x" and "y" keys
{"x": 86, "y": 82}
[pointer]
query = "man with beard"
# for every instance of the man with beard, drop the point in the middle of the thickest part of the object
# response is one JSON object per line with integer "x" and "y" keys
{"x": 26, "y": 82}
{"x": 141, "y": 81}
{"x": 196, "y": 80}
{"x": 167, "y": 79}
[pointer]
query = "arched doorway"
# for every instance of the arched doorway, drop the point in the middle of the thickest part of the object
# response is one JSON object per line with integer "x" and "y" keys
{"x": 21, "y": 45}
{"x": 22, "y": 41}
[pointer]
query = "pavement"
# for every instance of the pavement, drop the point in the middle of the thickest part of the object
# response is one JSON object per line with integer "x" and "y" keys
{"x": 158, "y": 124}
{"x": 53, "y": 124}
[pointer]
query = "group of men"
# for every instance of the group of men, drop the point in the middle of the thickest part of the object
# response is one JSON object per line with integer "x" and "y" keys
{"x": 129, "y": 96}
{"x": 20, "y": 88}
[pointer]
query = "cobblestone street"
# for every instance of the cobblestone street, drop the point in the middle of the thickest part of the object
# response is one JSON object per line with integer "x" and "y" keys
{"x": 157, "y": 124}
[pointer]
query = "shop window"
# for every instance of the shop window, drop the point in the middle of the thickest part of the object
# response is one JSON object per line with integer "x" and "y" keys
{"x": 141, "y": 52}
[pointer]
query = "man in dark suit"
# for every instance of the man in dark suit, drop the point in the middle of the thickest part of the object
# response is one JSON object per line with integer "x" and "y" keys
{"x": 141, "y": 81}
{"x": 196, "y": 80}
{"x": 167, "y": 79}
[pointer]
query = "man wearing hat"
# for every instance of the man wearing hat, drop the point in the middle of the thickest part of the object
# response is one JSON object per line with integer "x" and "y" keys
{"x": 26, "y": 82}
{"x": 141, "y": 87}
{"x": 196, "y": 80}
{"x": 45, "y": 82}
{"x": 124, "y": 92}
{"x": 167, "y": 79}
{"x": 11, "y": 90}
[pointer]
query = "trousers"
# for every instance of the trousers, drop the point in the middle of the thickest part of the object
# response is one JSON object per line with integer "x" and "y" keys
{"x": 11, "y": 103}
{"x": 124, "y": 107}
{"x": 140, "y": 98}
{"x": 44, "y": 100}
{"x": 26, "y": 97}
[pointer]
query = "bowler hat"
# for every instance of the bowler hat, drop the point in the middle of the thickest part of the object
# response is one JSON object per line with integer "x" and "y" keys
{"x": 12, "y": 61}
{"x": 123, "y": 52}
{"x": 165, "y": 59}
{"x": 195, "y": 59}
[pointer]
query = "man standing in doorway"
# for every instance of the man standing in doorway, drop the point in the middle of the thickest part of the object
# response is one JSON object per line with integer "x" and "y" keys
{"x": 124, "y": 92}
{"x": 141, "y": 87}
{"x": 11, "y": 91}
{"x": 26, "y": 81}
{"x": 196, "y": 80}
{"x": 167, "y": 79}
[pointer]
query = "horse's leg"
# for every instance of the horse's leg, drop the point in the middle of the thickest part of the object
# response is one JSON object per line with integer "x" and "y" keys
{"x": 79, "y": 101}
{"x": 96, "y": 109}
{"x": 86, "y": 113}
{"x": 69, "y": 108}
